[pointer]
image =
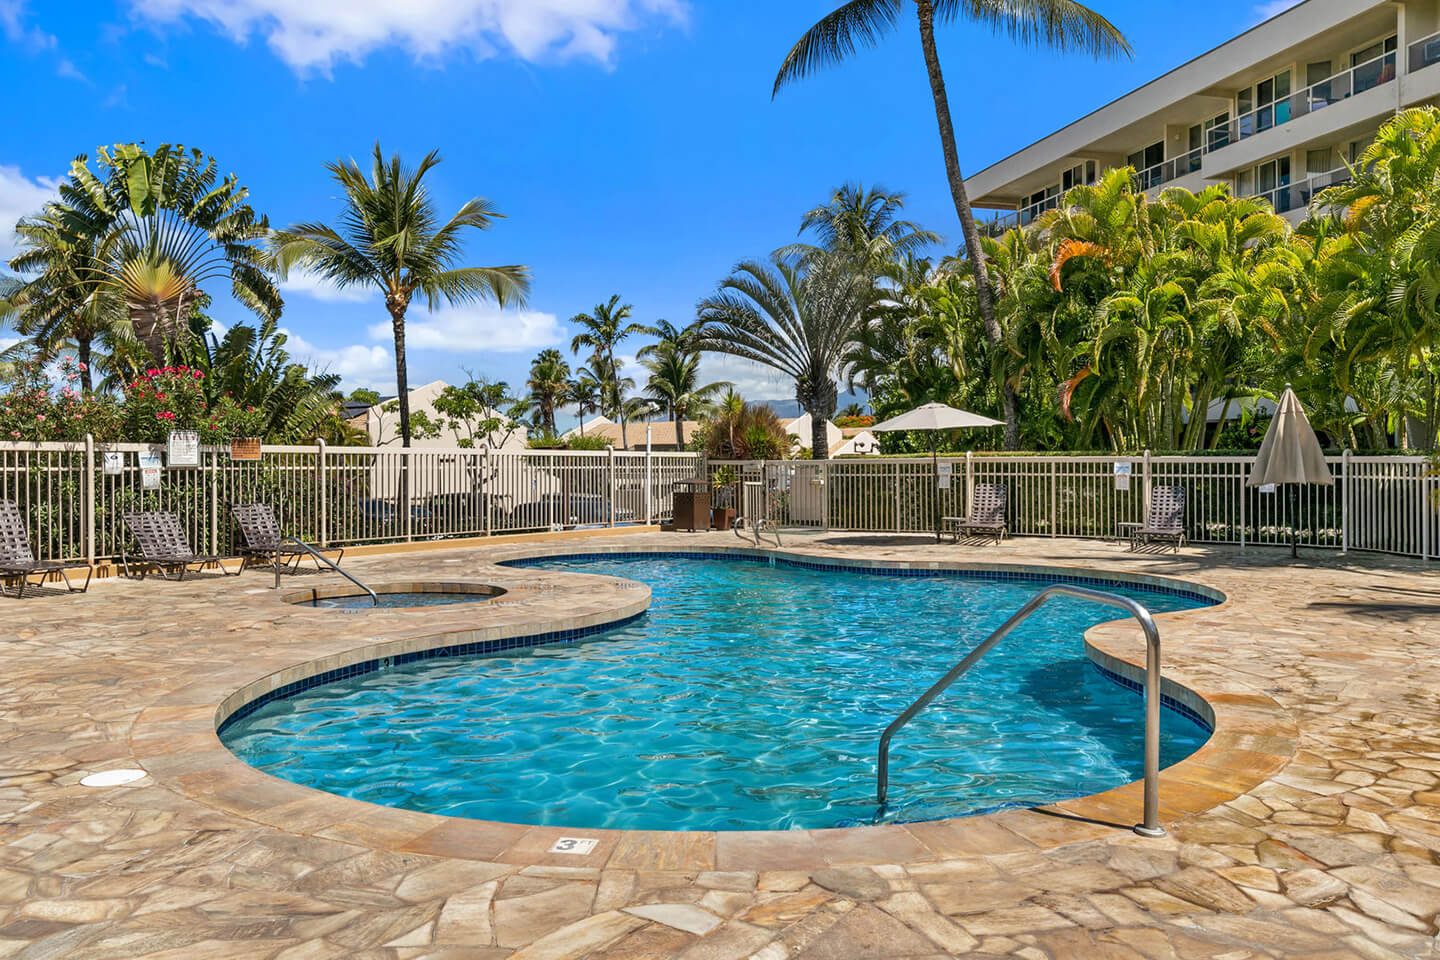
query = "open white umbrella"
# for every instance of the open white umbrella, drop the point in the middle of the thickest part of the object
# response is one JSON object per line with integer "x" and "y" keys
{"x": 932, "y": 417}
{"x": 1290, "y": 455}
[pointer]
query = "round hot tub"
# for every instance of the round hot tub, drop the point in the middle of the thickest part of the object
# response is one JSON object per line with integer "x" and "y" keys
{"x": 394, "y": 596}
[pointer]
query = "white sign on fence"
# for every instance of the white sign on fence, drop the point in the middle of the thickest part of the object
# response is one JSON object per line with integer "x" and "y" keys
{"x": 114, "y": 461}
{"x": 184, "y": 449}
{"x": 942, "y": 475}
{"x": 1267, "y": 488}
{"x": 1122, "y": 474}
{"x": 149, "y": 468}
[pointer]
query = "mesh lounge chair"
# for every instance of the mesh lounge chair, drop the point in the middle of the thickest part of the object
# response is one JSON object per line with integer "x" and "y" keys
{"x": 17, "y": 560}
{"x": 987, "y": 513}
{"x": 1164, "y": 521}
{"x": 163, "y": 545}
{"x": 261, "y": 533}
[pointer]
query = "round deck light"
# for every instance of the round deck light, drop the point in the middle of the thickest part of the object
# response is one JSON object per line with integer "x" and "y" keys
{"x": 112, "y": 778}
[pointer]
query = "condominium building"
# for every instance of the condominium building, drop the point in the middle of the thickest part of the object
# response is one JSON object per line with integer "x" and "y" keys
{"x": 1276, "y": 112}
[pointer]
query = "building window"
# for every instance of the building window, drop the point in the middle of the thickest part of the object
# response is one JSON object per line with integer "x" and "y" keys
{"x": 1374, "y": 65}
{"x": 1269, "y": 180}
{"x": 1215, "y": 131}
{"x": 1079, "y": 175}
{"x": 1319, "y": 161}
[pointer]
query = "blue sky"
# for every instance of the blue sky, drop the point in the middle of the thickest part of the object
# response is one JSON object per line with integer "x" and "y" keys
{"x": 632, "y": 144}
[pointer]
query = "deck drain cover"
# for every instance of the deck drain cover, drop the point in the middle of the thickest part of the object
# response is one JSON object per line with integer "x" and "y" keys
{"x": 112, "y": 778}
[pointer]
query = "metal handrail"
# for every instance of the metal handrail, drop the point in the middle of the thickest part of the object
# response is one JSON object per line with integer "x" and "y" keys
{"x": 327, "y": 561}
{"x": 756, "y": 524}
{"x": 1151, "y": 825}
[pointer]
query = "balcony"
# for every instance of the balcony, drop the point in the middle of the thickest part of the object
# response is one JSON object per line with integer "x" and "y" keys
{"x": 1016, "y": 218}
{"x": 1342, "y": 86}
{"x": 1297, "y": 196}
{"x": 1172, "y": 169}
{"x": 1423, "y": 52}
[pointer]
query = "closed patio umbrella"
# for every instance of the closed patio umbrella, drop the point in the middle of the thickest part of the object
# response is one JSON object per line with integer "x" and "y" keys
{"x": 931, "y": 417}
{"x": 1290, "y": 455}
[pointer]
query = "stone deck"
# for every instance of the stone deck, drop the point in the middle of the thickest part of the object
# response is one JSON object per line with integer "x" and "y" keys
{"x": 1308, "y": 828}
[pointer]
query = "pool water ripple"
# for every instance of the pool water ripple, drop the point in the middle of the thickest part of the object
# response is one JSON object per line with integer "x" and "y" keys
{"x": 749, "y": 697}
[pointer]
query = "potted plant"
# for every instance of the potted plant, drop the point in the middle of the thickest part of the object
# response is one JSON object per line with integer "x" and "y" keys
{"x": 722, "y": 512}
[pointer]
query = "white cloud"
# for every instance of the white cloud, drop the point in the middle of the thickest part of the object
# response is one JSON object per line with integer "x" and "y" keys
{"x": 12, "y": 25}
{"x": 309, "y": 285}
{"x": 358, "y": 364}
{"x": 316, "y": 34}
{"x": 476, "y": 329}
{"x": 20, "y": 197}
{"x": 1272, "y": 8}
{"x": 753, "y": 381}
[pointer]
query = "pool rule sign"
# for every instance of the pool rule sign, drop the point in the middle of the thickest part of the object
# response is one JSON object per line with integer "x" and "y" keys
{"x": 183, "y": 449}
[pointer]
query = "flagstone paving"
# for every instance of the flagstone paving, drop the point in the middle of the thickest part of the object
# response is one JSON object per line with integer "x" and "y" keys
{"x": 1308, "y": 829}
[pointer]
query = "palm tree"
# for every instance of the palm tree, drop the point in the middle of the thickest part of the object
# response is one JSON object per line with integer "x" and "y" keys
{"x": 155, "y": 227}
{"x": 675, "y": 386}
{"x": 604, "y": 329}
{"x": 548, "y": 385}
{"x": 798, "y": 319}
{"x": 669, "y": 337}
{"x": 1059, "y": 24}
{"x": 67, "y": 302}
{"x": 867, "y": 225}
{"x": 584, "y": 394}
{"x": 390, "y": 237}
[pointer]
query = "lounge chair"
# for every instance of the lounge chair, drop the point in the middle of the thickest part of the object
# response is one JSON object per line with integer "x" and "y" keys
{"x": 17, "y": 560}
{"x": 988, "y": 503}
{"x": 261, "y": 534}
{"x": 1164, "y": 520}
{"x": 164, "y": 546}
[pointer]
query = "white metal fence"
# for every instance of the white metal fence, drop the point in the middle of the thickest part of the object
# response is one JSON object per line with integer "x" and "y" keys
{"x": 1383, "y": 504}
{"x": 333, "y": 496}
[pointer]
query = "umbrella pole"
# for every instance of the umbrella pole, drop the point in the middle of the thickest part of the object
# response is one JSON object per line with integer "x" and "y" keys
{"x": 1294, "y": 519}
{"x": 935, "y": 469}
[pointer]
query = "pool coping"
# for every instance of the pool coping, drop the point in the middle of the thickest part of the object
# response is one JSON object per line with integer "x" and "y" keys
{"x": 1253, "y": 737}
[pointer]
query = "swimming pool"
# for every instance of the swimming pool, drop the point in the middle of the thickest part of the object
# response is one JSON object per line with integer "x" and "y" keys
{"x": 750, "y": 696}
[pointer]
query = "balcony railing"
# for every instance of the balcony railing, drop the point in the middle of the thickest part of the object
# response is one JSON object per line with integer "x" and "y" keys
{"x": 1172, "y": 169}
{"x": 1018, "y": 218}
{"x": 1424, "y": 52}
{"x": 1297, "y": 196}
{"x": 1317, "y": 96}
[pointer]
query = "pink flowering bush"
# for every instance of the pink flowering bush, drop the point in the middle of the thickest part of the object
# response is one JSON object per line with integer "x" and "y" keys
{"x": 33, "y": 408}
{"x": 164, "y": 399}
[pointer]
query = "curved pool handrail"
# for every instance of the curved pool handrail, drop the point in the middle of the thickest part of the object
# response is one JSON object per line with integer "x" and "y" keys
{"x": 325, "y": 560}
{"x": 1151, "y": 825}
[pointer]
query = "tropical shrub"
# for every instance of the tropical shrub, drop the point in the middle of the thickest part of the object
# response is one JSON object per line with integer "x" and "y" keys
{"x": 32, "y": 409}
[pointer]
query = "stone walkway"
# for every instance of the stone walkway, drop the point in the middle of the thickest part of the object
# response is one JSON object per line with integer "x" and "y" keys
{"x": 1308, "y": 830}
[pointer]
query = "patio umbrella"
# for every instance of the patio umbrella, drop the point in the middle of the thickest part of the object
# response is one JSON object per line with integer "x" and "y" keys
{"x": 1290, "y": 455}
{"x": 932, "y": 417}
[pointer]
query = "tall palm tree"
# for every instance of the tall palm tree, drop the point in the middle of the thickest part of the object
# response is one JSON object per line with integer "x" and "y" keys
{"x": 391, "y": 237}
{"x": 866, "y": 224}
{"x": 796, "y": 318}
{"x": 604, "y": 328}
{"x": 66, "y": 303}
{"x": 1058, "y": 24}
{"x": 157, "y": 226}
{"x": 583, "y": 393}
{"x": 548, "y": 385}
{"x": 674, "y": 385}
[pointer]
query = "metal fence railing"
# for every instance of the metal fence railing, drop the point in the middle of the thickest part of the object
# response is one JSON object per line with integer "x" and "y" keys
{"x": 75, "y": 501}
{"x": 1382, "y": 504}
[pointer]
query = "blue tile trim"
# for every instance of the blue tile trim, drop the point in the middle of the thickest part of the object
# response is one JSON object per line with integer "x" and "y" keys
{"x": 1056, "y": 576}
{"x": 1165, "y": 699}
{"x": 475, "y": 648}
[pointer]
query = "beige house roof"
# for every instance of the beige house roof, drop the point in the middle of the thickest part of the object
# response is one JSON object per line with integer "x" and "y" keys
{"x": 662, "y": 433}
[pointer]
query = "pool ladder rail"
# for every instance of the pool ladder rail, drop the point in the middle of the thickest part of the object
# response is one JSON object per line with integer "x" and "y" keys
{"x": 756, "y": 525}
{"x": 1150, "y": 827}
{"x": 320, "y": 557}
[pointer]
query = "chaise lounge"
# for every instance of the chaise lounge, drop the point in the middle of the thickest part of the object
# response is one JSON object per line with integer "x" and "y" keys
{"x": 163, "y": 545}
{"x": 17, "y": 559}
{"x": 1164, "y": 520}
{"x": 988, "y": 503}
{"x": 260, "y": 532}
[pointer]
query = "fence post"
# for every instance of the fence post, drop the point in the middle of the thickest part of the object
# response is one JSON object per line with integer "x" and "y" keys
{"x": 1345, "y": 501}
{"x": 1054, "y": 496}
{"x": 214, "y": 500}
{"x": 649, "y": 488}
{"x": 1244, "y": 501}
{"x": 486, "y": 499}
{"x": 898, "y": 527}
{"x": 1145, "y": 482}
{"x": 322, "y": 495}
{"x": 969, "y": 481}
{"x": 610, "y": 461}
{"x": 88, "y": 494}
{"x": 404, "y": 495}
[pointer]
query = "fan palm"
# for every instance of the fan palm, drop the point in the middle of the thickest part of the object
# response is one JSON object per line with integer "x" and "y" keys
{"x": 796, "y": 318}
{"x": 157, "y": 226}
{"x": 548, "y": 384}
{"x": 674, "y": 385}
{"x": 390, "y": 237}
{"x": 867, "y": 225}
{"x": 604, "y": 328}
{"x": 1061, "y": 25}
{"x": 584, "y": 394}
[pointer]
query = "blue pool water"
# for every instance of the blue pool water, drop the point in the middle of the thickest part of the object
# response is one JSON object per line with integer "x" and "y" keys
{"x": 749, "y": 697}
